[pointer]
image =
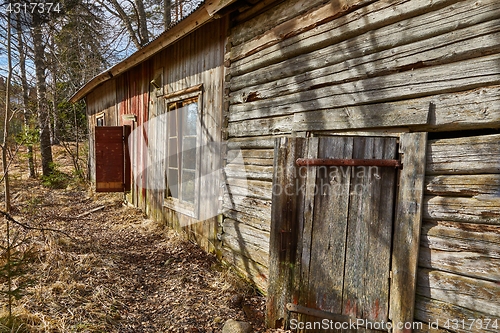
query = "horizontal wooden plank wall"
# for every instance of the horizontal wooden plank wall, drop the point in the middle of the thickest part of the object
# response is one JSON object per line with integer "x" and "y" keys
{"x": 420, "y": 65}
{"x": 247, "y": 208}
{"x": 459, "y": 263}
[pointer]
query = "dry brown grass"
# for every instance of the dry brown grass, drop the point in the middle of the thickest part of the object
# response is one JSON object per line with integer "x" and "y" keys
{"x": 114, "y": 270}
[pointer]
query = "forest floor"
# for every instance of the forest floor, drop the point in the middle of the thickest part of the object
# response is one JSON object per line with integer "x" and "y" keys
{"x": 111, "y": 270}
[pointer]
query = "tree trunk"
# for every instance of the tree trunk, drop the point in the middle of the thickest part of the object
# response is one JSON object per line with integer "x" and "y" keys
{"x": 24, "y": 87}
{"x": 167, "y": 14}
{"x": 126, "y": 22}
{"x": 142, "y": 25}
{"x": 54, "y": 129}
{"x": 5, "y": 145}
{"x": 43, "y": 114}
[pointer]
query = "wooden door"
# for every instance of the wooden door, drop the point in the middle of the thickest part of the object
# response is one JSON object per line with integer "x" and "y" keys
{"x": 346, "y": 244}
{"x": 112, "y": 159}
{"x": 332, "y": 237}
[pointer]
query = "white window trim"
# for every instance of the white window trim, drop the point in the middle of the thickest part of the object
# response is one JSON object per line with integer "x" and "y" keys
{"x": 100, "y": 115}
{"x": 175, "y": 204}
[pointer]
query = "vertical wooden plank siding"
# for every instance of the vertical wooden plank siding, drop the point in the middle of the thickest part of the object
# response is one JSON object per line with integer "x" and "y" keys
{"x": 326, "y": 228}
{"x": 196, "y": 59}
{"x": 283, "y": 228}
{"x": 305, "y": 217}
{"x": 407, "y": 228}
{"x": 307, "y": 224}
{"x": 369, "y": 232}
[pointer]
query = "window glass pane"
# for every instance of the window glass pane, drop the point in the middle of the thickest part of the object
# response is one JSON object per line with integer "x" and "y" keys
{"x": 189, "y": 154}
{"x": 188, "y": 185}
{"x": 182, "y": 150}
{"x": 172, "y": 152}
{"x": 190, "y": 116}
{"x": 172, "y": 122}
{"x": 189, "y": 160}
{"x": 172, "y": 182}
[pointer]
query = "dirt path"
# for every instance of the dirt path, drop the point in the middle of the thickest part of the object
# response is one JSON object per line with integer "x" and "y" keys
{"x": 116, "y": 271}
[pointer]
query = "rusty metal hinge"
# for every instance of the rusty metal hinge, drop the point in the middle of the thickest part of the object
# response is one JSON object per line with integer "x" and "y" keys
{"x": 339, "y": 318}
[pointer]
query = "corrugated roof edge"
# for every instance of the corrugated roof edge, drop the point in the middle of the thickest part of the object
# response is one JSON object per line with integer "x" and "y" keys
{"x": 202, "y": 14}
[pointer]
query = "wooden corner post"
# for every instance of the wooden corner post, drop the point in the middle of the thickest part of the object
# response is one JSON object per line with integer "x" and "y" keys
{"x": 407, "y": 231}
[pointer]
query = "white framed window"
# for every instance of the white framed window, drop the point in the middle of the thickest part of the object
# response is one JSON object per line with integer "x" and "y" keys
{"x": 182, "y": 163}
{"x": 99, "y": 119}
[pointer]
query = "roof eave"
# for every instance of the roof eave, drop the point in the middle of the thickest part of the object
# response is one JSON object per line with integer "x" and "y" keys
{"x": 198, "y": 18}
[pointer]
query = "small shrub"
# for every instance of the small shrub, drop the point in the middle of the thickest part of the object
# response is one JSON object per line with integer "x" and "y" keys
{"x": 12, "y": 325}
{"x": 57, "y": 179}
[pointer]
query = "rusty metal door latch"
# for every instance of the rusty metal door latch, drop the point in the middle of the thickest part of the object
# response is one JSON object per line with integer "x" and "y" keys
{"x": 348, "y": 162}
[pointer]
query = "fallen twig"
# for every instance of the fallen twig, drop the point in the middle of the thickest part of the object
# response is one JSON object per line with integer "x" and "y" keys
{"x": 91, "y": 211}
{"x": 55, "y": 217}
{"x": 28, "y": 227}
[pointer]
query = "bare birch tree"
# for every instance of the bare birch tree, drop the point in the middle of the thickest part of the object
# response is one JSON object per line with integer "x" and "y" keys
{"x": 5, "y": 163}
{"x": 42, "y": 105}
{"x": 25, "y": 91}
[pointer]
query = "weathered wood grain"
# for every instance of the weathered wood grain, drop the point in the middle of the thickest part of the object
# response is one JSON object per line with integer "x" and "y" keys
{"x": 306, "y": 221}
{"x": 217, "y": 5}
{"x": 457, "y": 45}
{"x": 251, "y": 153}
{"x": 437, "y": 312}
{"x": 369, "y": 231}
{"x": 465, "y": 110}
{"x": 407, "y": 227}
{"x": 325, "y": 229}
{"x": 248, "y": 241}
{"x": 257, "y": 172}
{"x": 471, "y": 109}
{"x": 249, "y": 187}
{"x": 368, "y": 18}
{"x": 467, "y": 155}
{"x": 363, "y": 116}
{"x": 252, "y": 206}
{"x": 255, "y": 161}
{"x": 252, "y": 271}
{"x": 474, "y": 294}
{"x": 270, "y": 18}
{"x": 463, "y": 185}
{"x": 264, "y": 142}
{"x": 249, "y": 12}
{"x": 284, "y": 223}
{"x": 468, "y": 263}
{"x": 479, "y": 209}
{"x": 462, "y": 75}
{"x": 313, "y": 18}
{"x": 262, "y": 126}
{"x": 357, "y": 117}
{"x": 251, "y": 218}
{"x": 464, "y": 236}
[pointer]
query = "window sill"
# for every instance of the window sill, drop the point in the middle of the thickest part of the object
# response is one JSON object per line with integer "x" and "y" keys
{"x": 180, "y": 207}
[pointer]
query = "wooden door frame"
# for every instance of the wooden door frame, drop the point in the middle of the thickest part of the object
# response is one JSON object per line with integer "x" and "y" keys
{"x": 286, "y": 229}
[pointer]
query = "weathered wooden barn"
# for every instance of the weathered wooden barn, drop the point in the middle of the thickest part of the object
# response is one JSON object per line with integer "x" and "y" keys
{"x": 369, "y": 185}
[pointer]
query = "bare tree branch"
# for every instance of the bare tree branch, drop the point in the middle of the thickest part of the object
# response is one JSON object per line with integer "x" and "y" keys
{"x": 28, "y": 227}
